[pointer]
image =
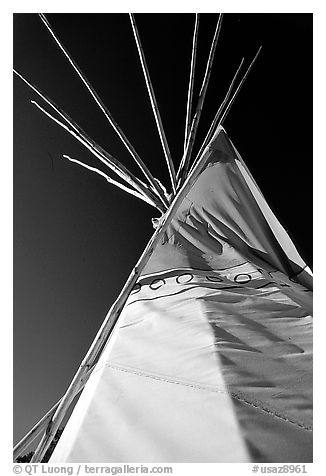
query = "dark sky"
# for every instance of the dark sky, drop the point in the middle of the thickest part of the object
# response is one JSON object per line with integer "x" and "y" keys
{"x": 76, "y": 238}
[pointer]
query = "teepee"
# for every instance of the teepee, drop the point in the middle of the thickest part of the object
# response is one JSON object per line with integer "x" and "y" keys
{"x": 205, "y": 356}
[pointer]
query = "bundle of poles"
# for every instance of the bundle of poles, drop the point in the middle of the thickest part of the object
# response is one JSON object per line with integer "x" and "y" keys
{"x": 151, "y": 191}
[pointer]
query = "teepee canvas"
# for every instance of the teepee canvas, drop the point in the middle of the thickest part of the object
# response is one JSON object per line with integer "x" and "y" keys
{"x": 206, "y": 355}
{"x": 213, "y": 348}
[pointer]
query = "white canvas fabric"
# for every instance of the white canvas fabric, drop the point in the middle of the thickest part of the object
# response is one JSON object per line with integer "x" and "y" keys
{"x": 211, "y": 358}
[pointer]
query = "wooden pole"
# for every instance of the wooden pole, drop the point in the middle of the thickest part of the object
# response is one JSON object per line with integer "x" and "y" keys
{"x": 85, "y": 143}
{"x": 96, "y": 150}
{"x": 219, "y": 112}
{"x": 191, "y": 81}
{"x": 116, "y": 309}
{"x": 110, "y": 180}
{"x": 218, "y": 120}
{"x": 34, "y": 432}
{"x": 155, "y": 109}
{"x": 108, "y": 115}
{"x": 225, "y": 113}
{"x": 183, "y": 168}
{"x": 41, "y": 424}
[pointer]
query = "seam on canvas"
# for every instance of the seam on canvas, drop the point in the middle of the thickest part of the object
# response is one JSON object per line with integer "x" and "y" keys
{"x": 236, "y": 395}
{"x": 272, "y": 412}
{"x": 165, "y": 378}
